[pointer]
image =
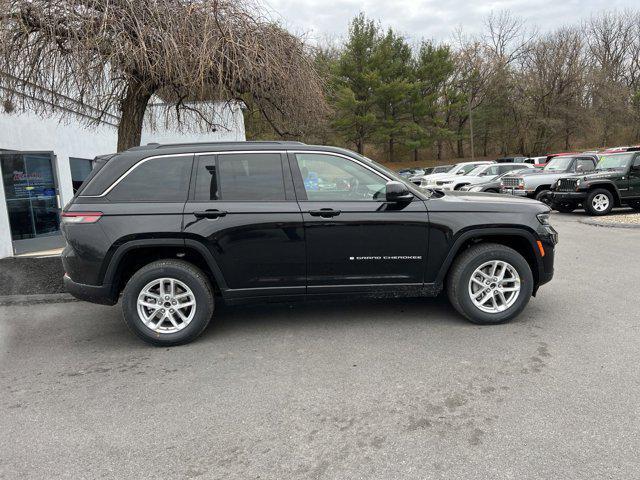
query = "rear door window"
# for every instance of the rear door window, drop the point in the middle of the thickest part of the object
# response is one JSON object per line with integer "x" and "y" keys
{"x": 240, "y": 177}
{"x": 164, "y": 179}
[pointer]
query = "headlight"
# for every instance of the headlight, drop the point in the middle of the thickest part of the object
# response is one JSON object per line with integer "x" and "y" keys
{"x": 543, "y": 218}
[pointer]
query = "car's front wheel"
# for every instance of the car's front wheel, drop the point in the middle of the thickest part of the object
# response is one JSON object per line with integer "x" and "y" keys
{"x": 599, "y": 202}
{"x": 490, "y": 283}
{"x": 543, "y": 196}
{"x": 168, "y": 302}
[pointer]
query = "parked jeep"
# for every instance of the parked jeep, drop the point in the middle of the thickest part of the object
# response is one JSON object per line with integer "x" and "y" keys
{"x": 614, "y": 183}
{"x": 537, "y": 183}
{"x": 173, "y": 229}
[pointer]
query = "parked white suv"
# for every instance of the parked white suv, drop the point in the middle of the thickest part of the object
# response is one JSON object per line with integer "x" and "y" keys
{"x": 480, "y": 174}
{"x": 458, "y": 169}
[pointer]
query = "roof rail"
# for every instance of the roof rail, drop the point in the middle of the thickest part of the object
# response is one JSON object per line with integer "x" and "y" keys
{"x": 152, "y": 146}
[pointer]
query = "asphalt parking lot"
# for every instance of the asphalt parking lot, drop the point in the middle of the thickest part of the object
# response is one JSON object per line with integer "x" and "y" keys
{"x": 349, "y": 390}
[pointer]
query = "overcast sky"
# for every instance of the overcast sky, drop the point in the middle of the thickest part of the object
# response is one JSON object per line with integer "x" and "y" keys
{"x": 430, "y": 19}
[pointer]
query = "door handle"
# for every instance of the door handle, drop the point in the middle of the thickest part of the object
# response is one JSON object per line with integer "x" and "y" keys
{"x": 209, "y": 213}
{"x": 324, "y": 212}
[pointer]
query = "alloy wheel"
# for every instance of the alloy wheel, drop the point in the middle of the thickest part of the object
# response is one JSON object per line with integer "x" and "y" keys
{"x": 166, "y": 305}
{"x": 600, "y": 202}
{"x": 494, "y": 286}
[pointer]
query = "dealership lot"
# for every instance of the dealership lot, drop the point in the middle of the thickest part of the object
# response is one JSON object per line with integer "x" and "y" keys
{"x": 361, "y": 389}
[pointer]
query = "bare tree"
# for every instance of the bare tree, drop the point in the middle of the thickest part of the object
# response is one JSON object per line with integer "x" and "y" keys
{"x": 115, "y": 55}
{"x": 553, "y": 80}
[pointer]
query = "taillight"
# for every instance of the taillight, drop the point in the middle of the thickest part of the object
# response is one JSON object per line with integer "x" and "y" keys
{"x": 81, "y": 217}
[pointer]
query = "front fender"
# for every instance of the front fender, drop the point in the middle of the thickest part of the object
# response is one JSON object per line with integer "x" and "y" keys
{"x": 463, "y": 237}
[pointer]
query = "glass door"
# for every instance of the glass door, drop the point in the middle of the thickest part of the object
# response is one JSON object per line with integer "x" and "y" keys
{"x": 30, "y": 191}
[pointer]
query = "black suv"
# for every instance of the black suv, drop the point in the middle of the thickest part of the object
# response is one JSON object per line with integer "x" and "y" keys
{"x": 614, "y": 183}
{"x": 173, "y": 227}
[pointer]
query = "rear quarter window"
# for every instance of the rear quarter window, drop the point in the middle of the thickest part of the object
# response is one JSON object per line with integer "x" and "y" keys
{"x": 164, "y": 179}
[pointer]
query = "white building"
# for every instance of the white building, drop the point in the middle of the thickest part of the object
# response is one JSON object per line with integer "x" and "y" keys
{"x": 42, "y": 161}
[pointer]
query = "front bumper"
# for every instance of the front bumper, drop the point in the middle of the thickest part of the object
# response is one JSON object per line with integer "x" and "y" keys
{"x": 567, "y": 197}
{"x": 515, "y": 191}
{"x": 102, "y": 294}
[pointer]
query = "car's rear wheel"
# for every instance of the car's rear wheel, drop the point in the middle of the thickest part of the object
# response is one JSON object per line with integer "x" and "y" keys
{"x": 490, "y": 283}
{"x": 599, "y": 202}
{"x": 168, "y": 302}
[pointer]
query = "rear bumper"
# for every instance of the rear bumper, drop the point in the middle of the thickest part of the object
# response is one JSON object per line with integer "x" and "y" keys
{"x": 102, "y": 294}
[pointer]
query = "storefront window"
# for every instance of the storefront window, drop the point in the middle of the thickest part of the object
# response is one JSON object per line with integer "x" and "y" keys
{"x": 30, "y": 192}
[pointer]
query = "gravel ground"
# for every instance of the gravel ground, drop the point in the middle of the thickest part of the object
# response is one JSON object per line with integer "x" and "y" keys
{"x": 628, "y": 219}
{"x": 29, "y": 275}
{"x": 394, "y": 389}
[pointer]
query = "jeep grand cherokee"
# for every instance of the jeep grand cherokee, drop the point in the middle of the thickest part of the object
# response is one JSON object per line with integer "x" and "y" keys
{"x": 172, "y": 229}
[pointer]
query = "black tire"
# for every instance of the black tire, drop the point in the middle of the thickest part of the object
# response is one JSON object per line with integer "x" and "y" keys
{"x": 186, "y": 273}
{"x": 492, "y": 190}
{"x": 563, "y": 207}
{"x": 460, "y": 276}
{"x": 592, "y": 197}
{"x": 541, "y": 196}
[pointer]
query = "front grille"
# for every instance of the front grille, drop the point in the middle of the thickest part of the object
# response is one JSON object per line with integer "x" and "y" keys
{"x": 510, "y": 182}
{"x": 567, "y": 185}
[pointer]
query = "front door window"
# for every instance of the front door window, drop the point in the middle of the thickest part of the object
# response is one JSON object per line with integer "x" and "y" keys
{"x": 30, "y": 192}
{"x": 336, "y": 179}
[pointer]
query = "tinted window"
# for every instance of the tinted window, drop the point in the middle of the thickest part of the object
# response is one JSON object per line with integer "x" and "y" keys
{"x": 207, "y": 179}
{"x": 492, "y": 170}
{"x": 636, "y": 162}
{"x": 157, "y": 180}
{"x": 80, "y": 170}
{"x": 584, "y": 165}
{"x": 328, "y": 177}
{"x": 241, "y": 177}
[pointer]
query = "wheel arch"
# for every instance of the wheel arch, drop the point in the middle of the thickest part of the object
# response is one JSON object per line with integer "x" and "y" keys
{"x": 133, "y": 255}
{"x": 540, "y": 188}
{"x": 611, "y": 187}
{"x": 521, "y": 240}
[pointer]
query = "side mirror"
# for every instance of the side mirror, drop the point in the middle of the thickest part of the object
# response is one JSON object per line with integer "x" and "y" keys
{"x": 461, "y": 172}
{"x": 397, "y": 192}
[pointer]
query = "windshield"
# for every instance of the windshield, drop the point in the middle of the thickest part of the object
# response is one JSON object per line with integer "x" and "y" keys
{"x": 464, "y": 169}
{"x": 558, "y": 164}
{"x": 614, "y": 161}
{"x": 477, "y": 171}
